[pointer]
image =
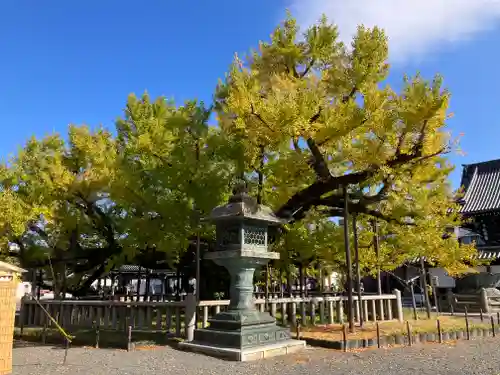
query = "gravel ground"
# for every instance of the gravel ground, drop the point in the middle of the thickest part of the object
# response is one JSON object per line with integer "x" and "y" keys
{"x": 465, "y": 357}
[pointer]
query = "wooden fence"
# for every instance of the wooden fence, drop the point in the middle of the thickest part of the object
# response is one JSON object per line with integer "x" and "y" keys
{"x": 171, "y": 316}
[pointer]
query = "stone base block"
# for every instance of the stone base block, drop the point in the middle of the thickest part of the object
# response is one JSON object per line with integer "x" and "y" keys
{"x": 247, "y": 354}
{"x": 243, "y": 337}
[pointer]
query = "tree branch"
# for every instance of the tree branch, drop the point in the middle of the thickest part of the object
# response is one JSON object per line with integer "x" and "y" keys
{"x": 254, "y": 113}
{"x": 308, "y": 68}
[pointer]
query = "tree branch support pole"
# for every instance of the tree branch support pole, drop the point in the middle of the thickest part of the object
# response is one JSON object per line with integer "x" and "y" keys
{"x": 198, "y": 272}
{"x": 358, "y": 268}
{"x": 376, "y": 245}
{"x": 380, "y": 307}
{"x": 198, "y": 255}
{"x": 413, "y": 301}
{"x": 425, "y": 291}
{"x": 350, "y": 304}
{"x": 267, "y": 287}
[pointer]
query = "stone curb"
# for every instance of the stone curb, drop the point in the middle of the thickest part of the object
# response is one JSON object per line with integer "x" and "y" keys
{"x": 418, "y": 338}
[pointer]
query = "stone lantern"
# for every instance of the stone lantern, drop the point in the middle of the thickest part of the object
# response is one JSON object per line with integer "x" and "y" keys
{"x": 242, "y": 332}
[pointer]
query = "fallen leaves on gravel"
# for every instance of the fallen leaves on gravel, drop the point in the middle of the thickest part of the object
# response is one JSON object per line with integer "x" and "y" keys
{"x": 147, "y": 347}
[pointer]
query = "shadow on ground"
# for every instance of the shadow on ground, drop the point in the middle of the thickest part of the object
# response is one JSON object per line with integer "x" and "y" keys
{"x": 105, "y": 339}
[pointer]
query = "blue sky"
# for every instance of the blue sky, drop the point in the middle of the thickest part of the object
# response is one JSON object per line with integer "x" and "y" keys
{"x": 75, "y": 62}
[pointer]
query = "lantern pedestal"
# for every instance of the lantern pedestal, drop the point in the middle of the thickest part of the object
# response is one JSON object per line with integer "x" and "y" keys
{"x": 242, "y": 332}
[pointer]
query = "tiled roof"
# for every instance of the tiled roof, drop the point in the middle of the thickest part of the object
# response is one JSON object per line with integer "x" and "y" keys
{"x": 482, "y": 187}
{"x": 487, "y": 253}
{"x": 132, "y": 268}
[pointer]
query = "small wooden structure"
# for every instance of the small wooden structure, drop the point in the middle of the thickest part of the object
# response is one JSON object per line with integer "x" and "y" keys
{"x": 9, "y": 276}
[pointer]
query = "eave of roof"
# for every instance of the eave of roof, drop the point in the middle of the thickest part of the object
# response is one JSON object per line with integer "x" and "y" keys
{"x": 482, "y": 187}
{"x": 7, "y": 267}
{"x": 485, "y": 253}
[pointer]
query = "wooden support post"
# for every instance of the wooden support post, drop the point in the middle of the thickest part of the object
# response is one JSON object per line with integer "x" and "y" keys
{"x": 413, "y": 301}
{"x": 129, "y": 338}
{"x": 493, "y": 333}
{"x": 66, "y": 348}
{"x": 378, "y": 335}
{"x": 408, "y": 332}
{"x": 467, "y": 324}
{"x": 350, "y": 312}
{"x": 440, "y": 334}
{"x": 344, "y": 336}
{"x": 358, "y": 269}
{"x": 377, "y": 255}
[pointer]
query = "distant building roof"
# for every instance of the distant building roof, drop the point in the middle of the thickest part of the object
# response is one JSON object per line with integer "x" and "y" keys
{"x": 487, "y": 253}
{"x": 481, "y": 182}
{"x": 133, "y": 268}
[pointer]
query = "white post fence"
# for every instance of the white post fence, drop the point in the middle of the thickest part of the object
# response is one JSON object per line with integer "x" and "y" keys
{"x": 181, "y": 317}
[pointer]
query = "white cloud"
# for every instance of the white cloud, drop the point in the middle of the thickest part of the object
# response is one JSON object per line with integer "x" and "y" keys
{"x": 414, "y": 27}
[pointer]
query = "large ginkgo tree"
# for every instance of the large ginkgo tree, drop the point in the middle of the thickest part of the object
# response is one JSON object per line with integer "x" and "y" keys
{"x": 300, "y": 118}
{"x": 314, "y": 116}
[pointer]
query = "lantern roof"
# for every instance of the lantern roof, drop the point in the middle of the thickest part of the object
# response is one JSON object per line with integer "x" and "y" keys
{"x": 242, "y": 206}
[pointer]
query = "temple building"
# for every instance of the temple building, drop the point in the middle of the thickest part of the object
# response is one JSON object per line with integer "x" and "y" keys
{"x": 481, "y": 205}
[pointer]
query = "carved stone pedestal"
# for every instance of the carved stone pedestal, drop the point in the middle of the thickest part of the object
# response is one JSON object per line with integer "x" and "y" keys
{"x": 242, "y": 333}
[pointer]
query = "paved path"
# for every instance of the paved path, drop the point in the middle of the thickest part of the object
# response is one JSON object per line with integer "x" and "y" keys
{"x": 466, "y": 358}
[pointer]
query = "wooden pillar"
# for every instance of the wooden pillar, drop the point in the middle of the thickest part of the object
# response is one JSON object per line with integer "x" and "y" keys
{"x": 267, "y": 282}
{"x": 148, "y": 285}
{"x": 271, "y": 286}
{"x": 377, "y": 255}
{"x": 40, "y": 283}
{"x": 280, "y": 282}
{"x": 289, "y": 280}
{"x": 164, "y": 284}
{"x": 33, "y": 283}
{"x": 178, "y": 286}
{"x": 113, "y": 281}
{"x": 301, "y": 280}
{"x": 139, "y": 276}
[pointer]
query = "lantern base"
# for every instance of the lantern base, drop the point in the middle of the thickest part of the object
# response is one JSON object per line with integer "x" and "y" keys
{"x": 234, "y": 320}
{"x": 243, "y": 336}
{"x": 246, "y": 354}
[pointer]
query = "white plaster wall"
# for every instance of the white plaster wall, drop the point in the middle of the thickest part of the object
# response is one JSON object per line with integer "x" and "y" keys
{"x": 23, "y": 288}
{"x": 443, "y": 279}
{"x": 332, "y": 281}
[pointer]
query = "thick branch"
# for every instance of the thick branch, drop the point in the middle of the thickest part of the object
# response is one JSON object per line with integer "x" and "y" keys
{"x": 308, "y": 68}
{"x": 309, "y": 197}
{"x": 318, "y": 161}
{"x": 305, "y": 199}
